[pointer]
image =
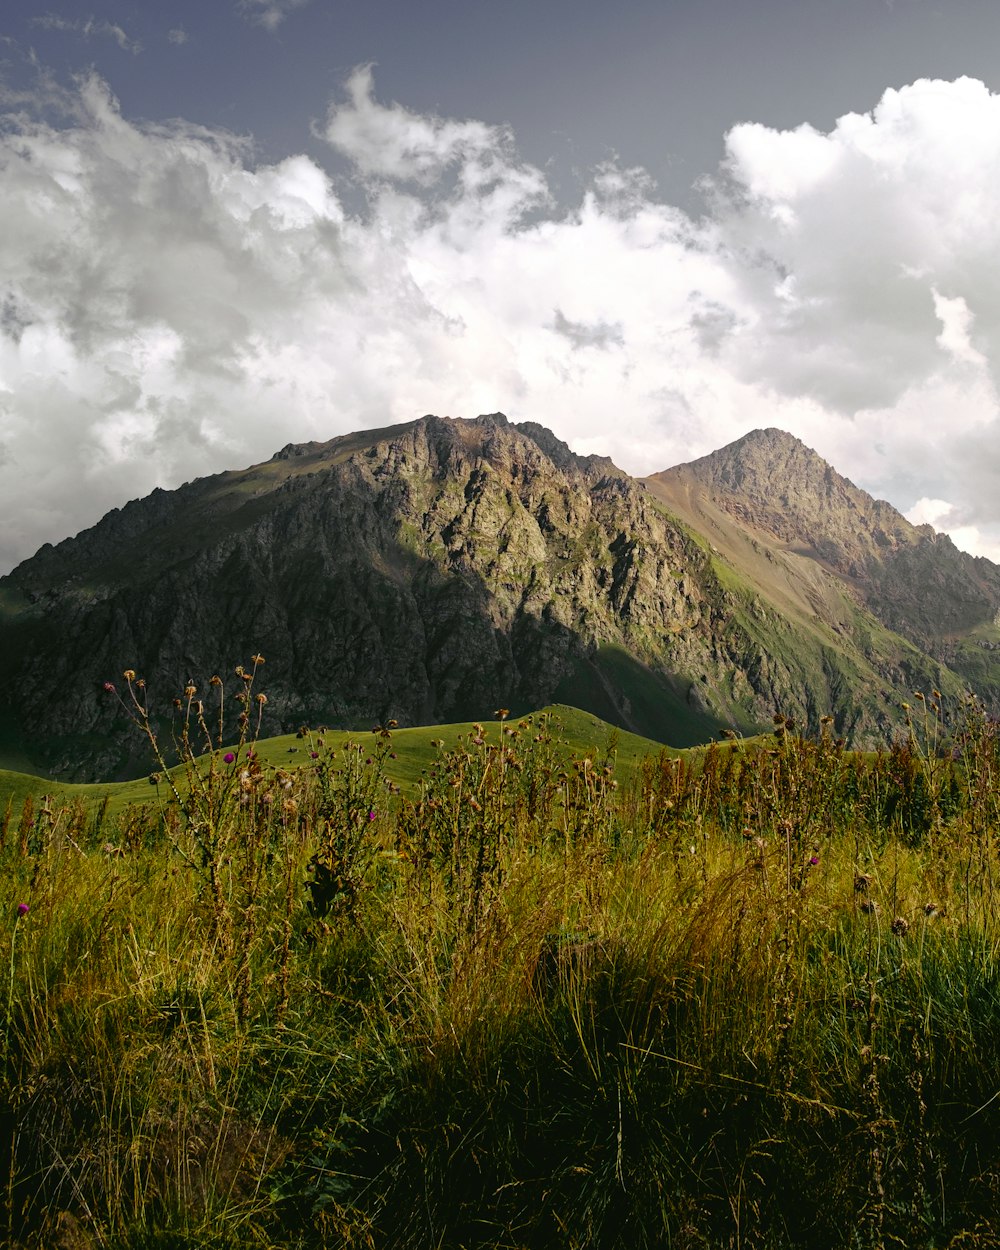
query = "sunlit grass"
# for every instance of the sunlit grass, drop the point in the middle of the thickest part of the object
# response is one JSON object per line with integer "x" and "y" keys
{"x": 519, "y": 998}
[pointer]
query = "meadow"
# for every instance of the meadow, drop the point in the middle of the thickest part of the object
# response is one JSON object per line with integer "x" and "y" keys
{"x": 521, "y": 984}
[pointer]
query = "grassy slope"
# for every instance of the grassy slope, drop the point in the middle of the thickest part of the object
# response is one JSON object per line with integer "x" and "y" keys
{"x": 580, "y": 732}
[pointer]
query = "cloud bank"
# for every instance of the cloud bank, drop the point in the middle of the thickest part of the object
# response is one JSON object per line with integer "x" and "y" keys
{"x": 169, "y": 308}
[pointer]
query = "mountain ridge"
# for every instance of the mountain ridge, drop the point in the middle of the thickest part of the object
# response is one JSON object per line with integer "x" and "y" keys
{"x": 435, "y": 570}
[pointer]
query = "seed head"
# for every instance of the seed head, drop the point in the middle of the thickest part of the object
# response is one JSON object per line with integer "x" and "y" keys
{"x": 900, "y": 926}
{"x": 129, "y": 674}
{"x": 215, "y": 680}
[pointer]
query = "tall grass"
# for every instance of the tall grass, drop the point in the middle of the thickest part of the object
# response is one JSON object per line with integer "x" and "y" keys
{"x": 753, "y": 1003}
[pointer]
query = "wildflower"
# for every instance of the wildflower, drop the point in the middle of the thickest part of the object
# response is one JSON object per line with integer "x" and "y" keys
{"x": 869, "y": 907}
{"x": 23, "y": 909}
{"x": 154, "y": 779}
{"x": 109, "y": 687}
{"x": 229, "y": 758}
{"x": 314, "y": 755}
{"x": 216, "y": 680}
{"x": 813, "y": 861}
{"x": 190, "y": 691}
{"x": 371, "y": 814}
{"x": 129, "y": 674}
{"x": 930, "y": 909}
{"x": 900, "y": 926}
{"x": 262, "y": 699}
{"x": 861, "y": 883}
{"x": 257, "y": 659}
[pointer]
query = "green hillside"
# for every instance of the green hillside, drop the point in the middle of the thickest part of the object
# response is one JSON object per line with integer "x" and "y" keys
{"x": 578, "y": 734}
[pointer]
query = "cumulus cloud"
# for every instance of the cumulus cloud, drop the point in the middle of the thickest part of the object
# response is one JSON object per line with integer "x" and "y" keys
{"x": 169, "y": 308}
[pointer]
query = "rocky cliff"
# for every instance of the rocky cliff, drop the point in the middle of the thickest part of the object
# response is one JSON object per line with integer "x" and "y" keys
{"x": 437, "y": 570}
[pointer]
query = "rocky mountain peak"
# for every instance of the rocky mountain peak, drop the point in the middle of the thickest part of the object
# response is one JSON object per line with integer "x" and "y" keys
{"x": 774, "y": 486}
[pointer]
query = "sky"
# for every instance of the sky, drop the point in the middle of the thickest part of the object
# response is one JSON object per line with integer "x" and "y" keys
{"x": 651, "y": 227}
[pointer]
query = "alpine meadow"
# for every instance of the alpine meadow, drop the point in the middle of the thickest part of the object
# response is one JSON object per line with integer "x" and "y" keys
{"x": 500, "y": 625}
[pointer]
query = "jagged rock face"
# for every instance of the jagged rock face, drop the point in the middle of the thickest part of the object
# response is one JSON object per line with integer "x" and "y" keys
{"x": 434, "y": 573}
{"x": 438, "y": 570}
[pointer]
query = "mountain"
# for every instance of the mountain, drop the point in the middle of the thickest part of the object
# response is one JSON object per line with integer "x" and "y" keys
{"x": 437, "y": 570}
{"x": 769, "y": 493}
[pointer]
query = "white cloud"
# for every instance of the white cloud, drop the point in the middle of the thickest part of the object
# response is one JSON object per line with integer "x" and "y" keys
{"x": 169, "y": 309}
{"x": 178, "y": 36}
{"x": 390, "y": 142}
{"x": 270, "y": 13}
{"x": 89, "y": 28}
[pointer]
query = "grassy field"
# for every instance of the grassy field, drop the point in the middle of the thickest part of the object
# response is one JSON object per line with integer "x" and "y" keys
{"x": 507, "y": 986}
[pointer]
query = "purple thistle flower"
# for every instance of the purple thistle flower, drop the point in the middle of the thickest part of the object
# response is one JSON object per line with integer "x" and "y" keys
{"x": 23, "y": 909}
{"x": 813, "y": 861}
{"x": 371, "y": 814}
{"x": 109, "y": 686}
{"x": 229, "y": 757}
{"x": 314, "y": 755}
